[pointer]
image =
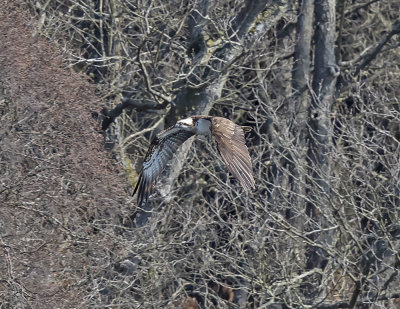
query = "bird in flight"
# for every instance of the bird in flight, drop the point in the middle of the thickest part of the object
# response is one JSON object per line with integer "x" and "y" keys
{"x": 230, "y": 141}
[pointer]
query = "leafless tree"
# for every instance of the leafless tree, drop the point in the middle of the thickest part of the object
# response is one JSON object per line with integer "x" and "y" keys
{"x": 318, "y": 81}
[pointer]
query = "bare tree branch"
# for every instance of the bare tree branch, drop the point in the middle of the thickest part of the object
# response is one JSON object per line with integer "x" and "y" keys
{"x": 314, "y": 234}
{"x": 372, "y": 55}
{"x": 203, "y": 99}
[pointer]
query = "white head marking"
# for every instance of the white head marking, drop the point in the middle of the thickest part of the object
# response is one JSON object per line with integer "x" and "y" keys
{"x": 187, "y": 122}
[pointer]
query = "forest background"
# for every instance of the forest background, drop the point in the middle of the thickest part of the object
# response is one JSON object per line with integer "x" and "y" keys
{"x": 85, "y": 86}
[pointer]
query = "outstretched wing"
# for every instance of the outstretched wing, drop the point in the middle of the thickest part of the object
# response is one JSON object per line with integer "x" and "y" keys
{"x": 160, "y": 152}
{"x": 233, "y": 149}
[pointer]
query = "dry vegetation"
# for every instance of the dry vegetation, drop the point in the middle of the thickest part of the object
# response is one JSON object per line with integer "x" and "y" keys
{"x": 322, "y": 230}
{"x": 60, "y": 195}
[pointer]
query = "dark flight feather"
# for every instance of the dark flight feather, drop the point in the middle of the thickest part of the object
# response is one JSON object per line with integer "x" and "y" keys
{"x": 231, "y": 145}
{"x": 161, "y": 150}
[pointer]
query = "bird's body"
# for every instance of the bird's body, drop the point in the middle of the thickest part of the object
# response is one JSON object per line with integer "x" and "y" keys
{"x": 230, "y": 141}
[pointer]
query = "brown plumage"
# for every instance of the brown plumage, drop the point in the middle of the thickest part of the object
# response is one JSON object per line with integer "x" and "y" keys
{"x": 230, "y": 141}
{"x": 233, "y": 149}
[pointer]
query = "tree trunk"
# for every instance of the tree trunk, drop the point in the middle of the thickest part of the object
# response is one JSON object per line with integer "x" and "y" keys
{"x": 299, "y": 107}
{"x": 320, "y": 148}
{"x": 325, "y": 74}
{"x": 199, "y": 101}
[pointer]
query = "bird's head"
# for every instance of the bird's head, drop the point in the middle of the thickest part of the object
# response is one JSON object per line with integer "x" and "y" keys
{"x": 185, "y": 123}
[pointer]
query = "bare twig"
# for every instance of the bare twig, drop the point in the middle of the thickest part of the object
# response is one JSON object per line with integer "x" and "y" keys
{"x": 372, "y": 55}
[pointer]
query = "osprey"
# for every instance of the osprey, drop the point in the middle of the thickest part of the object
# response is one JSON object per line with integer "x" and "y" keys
{"x": 230, "y": 141}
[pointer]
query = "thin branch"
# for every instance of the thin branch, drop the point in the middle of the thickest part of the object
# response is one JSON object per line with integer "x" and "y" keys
{"x": 139, "y": 105}
{"x": 359, "y": 7}
{"x": 155, "y": 93}
{"x": 149, "y": 129}
{"x": 372, "y": 55}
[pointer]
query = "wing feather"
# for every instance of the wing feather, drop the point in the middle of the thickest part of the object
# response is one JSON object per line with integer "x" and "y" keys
{"x": 160, "y": 152}
{"x": 233, "y": 150}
